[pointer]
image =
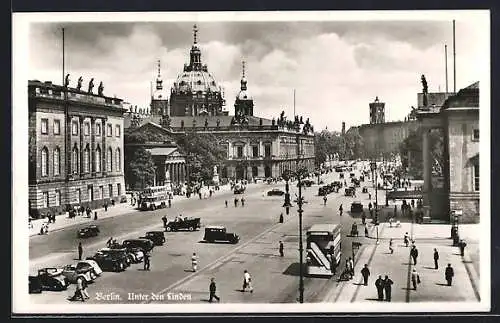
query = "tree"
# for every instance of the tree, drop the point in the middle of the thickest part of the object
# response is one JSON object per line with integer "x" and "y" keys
{"x": 139, "y": 168}
{"x": 354, "y": 145}
{"x": 326, "y": 143}
{"x": 202, "y": 152}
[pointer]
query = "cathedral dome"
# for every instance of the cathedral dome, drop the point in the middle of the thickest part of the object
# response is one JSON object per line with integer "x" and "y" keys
{"x": 196, "y": 81}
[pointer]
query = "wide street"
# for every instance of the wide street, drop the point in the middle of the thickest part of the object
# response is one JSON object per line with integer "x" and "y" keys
{"x": 257, "y": 225}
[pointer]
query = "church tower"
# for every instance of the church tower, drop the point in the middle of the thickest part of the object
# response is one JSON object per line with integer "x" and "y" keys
{"x": 159, "y": 101}
{"x": 244, "y": 101}
{"x": 377, "y": 111}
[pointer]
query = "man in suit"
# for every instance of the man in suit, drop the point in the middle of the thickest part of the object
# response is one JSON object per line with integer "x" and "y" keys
{"x": 436, "y": 258}
{"x": 448, "y": 274}
{"x": 388, "y": 288}
{"x": 379, "y": 284}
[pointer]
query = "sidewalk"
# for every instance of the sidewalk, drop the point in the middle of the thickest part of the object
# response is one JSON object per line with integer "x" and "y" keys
{"x": 398, "y": 267}
{"x": 63, "y": 221}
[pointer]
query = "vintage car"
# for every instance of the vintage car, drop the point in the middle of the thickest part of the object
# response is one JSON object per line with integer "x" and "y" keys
{"x": 239, "y": 188}
{"x": 338, "y": 184}
{"x": 218, "y": 233}
{"x": 356, "y": 207}
{"x": 81, "y": 270}
{"x": 88, "y": 231}
{"x": 307, "y": 183}
{"x": 112, "y": 259}
{"x": 144, "y": 244}
{"x": 356, "y": 182}
{"x": 135, "y": 255}
{"x": 96, "y": 270}
{"x": 50, "y": 279}
{"x": 157, "y": 237}
{"x": 364, "y": 190}
{"x": 275, "y": 192}
{"x": 349, "y": 191}
{"x": 34, "y": 285}
{"x": 190, "y": 224}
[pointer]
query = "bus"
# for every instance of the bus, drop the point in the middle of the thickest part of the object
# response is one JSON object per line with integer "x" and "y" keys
{"x": 154, "y": 197}
{"x": 323, "y": 249}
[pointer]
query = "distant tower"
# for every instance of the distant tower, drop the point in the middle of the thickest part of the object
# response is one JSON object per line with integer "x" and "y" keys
{"x": 377, "y": 111}
{"x": 159, "y": 101}
{"x": 244, "y": 101}
{"x": 343, "y": 128}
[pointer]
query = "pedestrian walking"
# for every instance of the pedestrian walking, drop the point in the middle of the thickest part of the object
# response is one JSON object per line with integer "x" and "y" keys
{"x": 281, "y": 217}
{"x": 85, "y": 294}
{"x": 415, "y": 278}
{"x": 281, "y": 249}
{"x": 388, "y": 288}
{"x": 225, "y": 202}
{"x": 235, "y": 202}
{"x": 147, "y": 261}
{"x": 436, "y": 258}
{"x": 106, "y": 207}
{"x": 169, "y": 203}
{"x": 78, "y": 290}
{"x": 324, "y": 199}
{"x": 391, "y": 248}
{"x": 95, "y": 216}
{"x": 213, "y": 289}
{"x": 462, "y": 246}
{"x": 194, "y": 262}
{"x": 379, "y": 284}
{"x": 80, "y": 251}
{"x": 109, "y": 242}
{"x": 448, "y": 274}
{"x": 406, "y": 239}
{"x": 247, "y": 282}
{"x": 414, "y": 254}
{"x": 365, "y": 272}
{"x": 242, "y": 201}
{"x": 351, "y": 266}
{"x": 366, "y": 231}
{"x": 363, "y": 218}
{"x": 341, "y": 209}
{"x": 370, "y": 196}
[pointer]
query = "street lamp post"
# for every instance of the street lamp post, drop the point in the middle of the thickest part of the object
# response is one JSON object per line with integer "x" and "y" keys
{"x": 301, "y": 249}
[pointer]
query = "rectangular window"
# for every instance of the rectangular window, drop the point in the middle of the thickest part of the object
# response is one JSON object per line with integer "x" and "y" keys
{"x": 58, "y": 198}
{"x": 476, "y": 177}
{"x": 74, "y": 128}
{"x": 239, "y": 151}
{"x": 117, "y": 131}
{"x": 109, "y": 131}
{"x": 267, "y": 151}
{"x": 78, "y": 195}
{"x": 255, "y": 151}
{"x": 110, "y": 189}
{"x": 97, "y": 129}
{"x": 45, "y": 126}
{"x": 57, "y": 127}
{"x": 90, "y": 193}
{"x": 118, "y": 189}
{"x": 45, "y": 199}
{"x": 475, "y": 135}
{"x": 86, "y": 129}
{"x": 101, "y": 192}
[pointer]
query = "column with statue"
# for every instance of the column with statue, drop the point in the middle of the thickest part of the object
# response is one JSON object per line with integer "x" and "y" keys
{"x": 215, "y": 177}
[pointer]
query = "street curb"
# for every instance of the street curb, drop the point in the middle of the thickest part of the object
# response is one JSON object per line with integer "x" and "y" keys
{"x": 473, "y": 276}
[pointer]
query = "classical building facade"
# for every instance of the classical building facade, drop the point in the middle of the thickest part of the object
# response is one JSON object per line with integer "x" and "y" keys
{"x": 458, "y": 119}
{"x": 75, "y": 148}
{"x": 256, "y": 147}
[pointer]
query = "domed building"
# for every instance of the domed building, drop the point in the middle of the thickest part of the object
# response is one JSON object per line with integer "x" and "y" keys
{"x": 196, "y": 92}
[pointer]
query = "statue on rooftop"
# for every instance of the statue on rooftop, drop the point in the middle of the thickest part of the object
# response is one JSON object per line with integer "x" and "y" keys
{"x": 91, "y": 85}
{"x": 66, "y": 80}
{"x": 100, "y": 89}
{"x": 79, "y": 85}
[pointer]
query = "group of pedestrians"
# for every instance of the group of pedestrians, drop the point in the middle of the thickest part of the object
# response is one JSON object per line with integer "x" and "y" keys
{"x": 237, "y": 201}
{"x": 247, "y": 285}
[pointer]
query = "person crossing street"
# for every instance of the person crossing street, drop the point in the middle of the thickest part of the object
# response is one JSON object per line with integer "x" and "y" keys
{"x": 341, "y": 209}
{"x": 247, "y": 282}
{"x": 80, "y": 251}
{"x": 436, "y": 258}
{"x": 365, "y": 272}
{"x": 212, "y": 290}
{"x": 415, "y": 278}
{"x": 379, "y": 284}
{"x": 281, "y": 249}
{"x": 448, "y": 274}
{"x": 414, "y": 254}
{"x": 324, "y": 200}
{"x": 388, "y": 288}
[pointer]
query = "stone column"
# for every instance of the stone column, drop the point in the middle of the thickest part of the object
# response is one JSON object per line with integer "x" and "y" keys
{"x": 104, "y": 150}
{"x": 427, "y": 168}
{"x": 92, "y": 144}
{"x": 80, "y": 134}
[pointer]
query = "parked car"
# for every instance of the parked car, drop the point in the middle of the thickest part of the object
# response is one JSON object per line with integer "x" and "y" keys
{"x": 356, "y": 207}
{"x": 135, "y": 255}
{"x": 356, "y": 182}
{"x": 239, "y": 188}
{"x": 51, "y": 279}
{"x": 96, "y": 270}
{"x": 111, "y": 259}
{"x": 34, "y": 285}
{"x": 144, "y": 244}
{"x": 190, "y": 224}
{"x": 218, "y": 233}
{"x": 81, "y": 270}
{"x": 275, "y": 192}
{"x": 157, "y": 237}
{"x": 349, "y": 191}
{"x": 88, "y": 231}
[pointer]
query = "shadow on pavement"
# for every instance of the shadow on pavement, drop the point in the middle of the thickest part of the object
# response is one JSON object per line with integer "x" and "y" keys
{"x": 374, "y": 299}
{"x": 441, "y": 284}
{"x": 293, "y": 269}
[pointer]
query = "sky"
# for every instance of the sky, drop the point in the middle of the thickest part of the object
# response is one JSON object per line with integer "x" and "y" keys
{"x": 336, "y": 67}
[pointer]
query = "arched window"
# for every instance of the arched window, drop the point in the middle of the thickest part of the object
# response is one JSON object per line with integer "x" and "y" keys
{"x": 74, "y": 161}
{"x": 118, "y": 161}
{"x": 45, "y": 161}
{"x": 109, "y": 160}
{"x": 98, "y": 160}
{"x": 86, "y": 159}
{"x": 57, "y": 161}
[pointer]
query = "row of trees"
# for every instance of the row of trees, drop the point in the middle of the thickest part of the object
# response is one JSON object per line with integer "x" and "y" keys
{"x": 348, "y": 146}
{"x": 411, "y": 153}
{"x": 202, "y": 152}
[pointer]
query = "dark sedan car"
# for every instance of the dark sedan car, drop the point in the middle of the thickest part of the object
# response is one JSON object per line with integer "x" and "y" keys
{"x": 356, "y": 207}
{"x": 157, "y": 237}
{"x": 49, "y": 279}
{"x": 112, "y": 259}
{"x": 218, "y": 233}
{"x": 89, "y": 231}
{"x": 275, "y": 192}
{"x": 144, "y": 244}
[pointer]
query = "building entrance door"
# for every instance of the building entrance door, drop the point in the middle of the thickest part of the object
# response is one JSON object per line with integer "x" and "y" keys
{"x": 267, "y": 171}
{"x": 240, "y": 172}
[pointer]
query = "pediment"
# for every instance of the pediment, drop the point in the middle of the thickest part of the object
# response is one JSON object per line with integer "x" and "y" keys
{"x": 153, "y": 132}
